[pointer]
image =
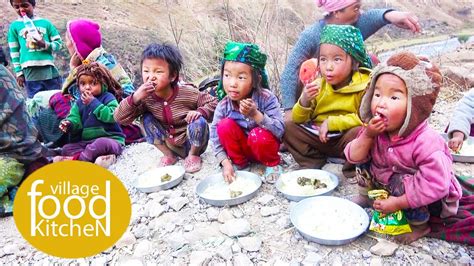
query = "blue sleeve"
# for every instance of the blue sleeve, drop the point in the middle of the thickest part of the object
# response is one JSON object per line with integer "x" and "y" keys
{"x": 273, "y": 117}
{"x": 463, "y": 116}
{"x": 219, "y": 151}
{"x": 371, "y": 21}
{"x": 304, "y": 49}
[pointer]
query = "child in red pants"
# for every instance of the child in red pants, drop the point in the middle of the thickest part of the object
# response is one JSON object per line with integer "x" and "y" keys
{"x": 248, "y": 123}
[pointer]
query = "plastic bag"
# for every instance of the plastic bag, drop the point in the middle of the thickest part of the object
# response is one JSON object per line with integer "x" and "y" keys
{"x": 392, "y": 223}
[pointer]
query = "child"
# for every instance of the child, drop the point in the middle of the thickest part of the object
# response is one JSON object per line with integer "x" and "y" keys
{"x": 462, "y": 123}
{"x": 93, "y": 115}
{"x": 248, "y": 123}
{"x": 174, "y": 115}
{"x": 408, "y": 158}
{"x": 331, "y": 102}
{"x": 84, "y": 42}
{"x": 32, "y": 59}
{"x": 348, "y": 12}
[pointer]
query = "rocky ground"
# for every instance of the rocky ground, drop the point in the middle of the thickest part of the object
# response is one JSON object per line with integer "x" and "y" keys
{"x": 175, "y": 227}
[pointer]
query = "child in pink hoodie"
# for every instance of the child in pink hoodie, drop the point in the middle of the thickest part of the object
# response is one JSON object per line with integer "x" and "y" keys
{"x": 408, "y": 158}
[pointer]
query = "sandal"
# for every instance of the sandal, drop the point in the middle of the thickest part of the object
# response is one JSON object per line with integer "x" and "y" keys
{"x": 192, "y": 164}
{"x": 167, "y": 160}
{"x": 272, "y": 173}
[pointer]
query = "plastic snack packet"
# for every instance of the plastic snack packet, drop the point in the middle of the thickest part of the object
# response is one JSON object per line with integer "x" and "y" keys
{"x": 390, "y": 224}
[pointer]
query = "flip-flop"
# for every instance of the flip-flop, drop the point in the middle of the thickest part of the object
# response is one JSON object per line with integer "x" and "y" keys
{"x": 167, "y": 161}
{"x": 192, "y": 164}
{"x": 272, "y": 173}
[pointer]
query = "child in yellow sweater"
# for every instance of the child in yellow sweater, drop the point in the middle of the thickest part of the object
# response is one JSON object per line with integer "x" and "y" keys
{"x": 325, "y": 118}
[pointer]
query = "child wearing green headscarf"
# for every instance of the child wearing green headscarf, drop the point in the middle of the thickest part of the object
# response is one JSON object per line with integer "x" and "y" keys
{"x": 248, "y": 123}
{"x": 325, "y": 118}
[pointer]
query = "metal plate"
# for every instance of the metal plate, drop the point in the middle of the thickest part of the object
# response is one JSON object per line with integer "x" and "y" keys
{"x": 310, "y": 173}
{"x": 150, "y": 181}
{"x": 218, "y": 180}
{"x": 458, "y": 157}
{"x": 351, "y": 222}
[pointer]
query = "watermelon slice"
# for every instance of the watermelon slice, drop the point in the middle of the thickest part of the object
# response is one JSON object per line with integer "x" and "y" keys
{"x": 309, "y": 70}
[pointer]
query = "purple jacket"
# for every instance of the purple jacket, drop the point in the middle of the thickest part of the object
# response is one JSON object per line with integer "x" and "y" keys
{"x": 426, "y": 163}
{"x": 267, "y": 103}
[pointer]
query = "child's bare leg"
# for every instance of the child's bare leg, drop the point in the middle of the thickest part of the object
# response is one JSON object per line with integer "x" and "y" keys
{"x": 62, "y": 158}
{"x": 194, "y": 150}
{"x": 418, "y": 231}
{"x": 169, "y": 158}
{"x": 106, "y": 160}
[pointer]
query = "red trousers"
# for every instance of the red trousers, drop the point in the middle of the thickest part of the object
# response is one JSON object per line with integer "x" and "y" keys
{"x": 259, "y": 146}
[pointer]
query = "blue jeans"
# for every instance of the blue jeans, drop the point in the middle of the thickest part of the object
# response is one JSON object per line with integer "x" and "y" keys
{"x": 33, "y": 87}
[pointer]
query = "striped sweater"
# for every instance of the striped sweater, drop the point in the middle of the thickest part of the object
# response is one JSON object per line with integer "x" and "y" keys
{"x": 22, "y": 56}
{"x": 170, "y": 112}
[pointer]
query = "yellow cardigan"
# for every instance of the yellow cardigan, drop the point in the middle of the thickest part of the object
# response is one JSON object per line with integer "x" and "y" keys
{"x": 340, "y": 107}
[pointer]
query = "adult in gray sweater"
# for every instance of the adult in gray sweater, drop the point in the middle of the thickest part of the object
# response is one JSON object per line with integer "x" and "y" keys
{"x": 462, "y": 122}
{"x": 336, "y": 12}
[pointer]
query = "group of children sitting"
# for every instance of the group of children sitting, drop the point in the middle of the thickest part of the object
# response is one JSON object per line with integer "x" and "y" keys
{"x": 377, "y": 116}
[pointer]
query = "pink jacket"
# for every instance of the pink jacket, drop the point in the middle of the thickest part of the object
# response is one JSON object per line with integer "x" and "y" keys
{"x": 426, "y": 163}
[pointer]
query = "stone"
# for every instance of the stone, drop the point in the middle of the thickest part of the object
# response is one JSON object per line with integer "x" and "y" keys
{"x": 176, "y": 240}
{"x": 100, "y": 261}
{"x": 267, "y": 211}
{"x": 265, "y": 199}
{"x": 10, "y": 249}
{"x": 366, "y": 254}
{"x": 225, "y": 251}
{"x": 177, "y": 203}
{"x": 235, "y": 227}
{"x": 140, "y": 231}
{"x": 384, "y": 248}
{"x": 212, "y": 214}
{"x": 130, "y": 261}
{"x": 241, "y": 260}
{"x": 283, "y": 222}
{"x": 466, "y": 260}
{"x": 377, "y": 261}
{"x": 236, "y": 248}
{"x": 127, "y": 239}
{"x": 250, "y": 243}
{"x": 312, "y": 258}
{"x": 156, "y": 197}
{"x": 199, "y": 258}
{"x": 238, "y": 213}
{"x": 225, "y": 215}
{"x": 155, "y": 209}
{"x": 142, "y": 249}
{"x": 188, "y": 228}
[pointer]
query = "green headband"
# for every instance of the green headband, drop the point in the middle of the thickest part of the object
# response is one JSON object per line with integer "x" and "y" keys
{"x": 246, "y": 53}
{"x": 349, "y": 39}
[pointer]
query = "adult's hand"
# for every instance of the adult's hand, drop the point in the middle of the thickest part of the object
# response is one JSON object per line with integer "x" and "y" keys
{"x": 404, "y": 20}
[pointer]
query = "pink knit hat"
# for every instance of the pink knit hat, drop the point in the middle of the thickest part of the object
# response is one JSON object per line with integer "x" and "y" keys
{"x": 334, "y": 5}
{"x": 85, "y": 35}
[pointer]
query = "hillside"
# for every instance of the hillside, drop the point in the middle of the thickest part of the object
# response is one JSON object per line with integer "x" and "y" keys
{"x": 200, "y": 28}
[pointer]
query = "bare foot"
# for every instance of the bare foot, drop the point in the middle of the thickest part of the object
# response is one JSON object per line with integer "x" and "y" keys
{"x": 106, "y": 160}
{"x": 361, "y": 200}
{"x": 418, "y": 231}
{"x": 62, "y": 158}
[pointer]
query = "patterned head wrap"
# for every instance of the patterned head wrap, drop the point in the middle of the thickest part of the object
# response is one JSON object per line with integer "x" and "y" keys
{"x": 246, "y": 53}
{"x": 349, "y": 39}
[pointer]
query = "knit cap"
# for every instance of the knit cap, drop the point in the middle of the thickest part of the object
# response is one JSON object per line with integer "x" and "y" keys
{"x": 85, "y": 35}
{"x": 423, "y": 81}
{"x": 334, "y": 5}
